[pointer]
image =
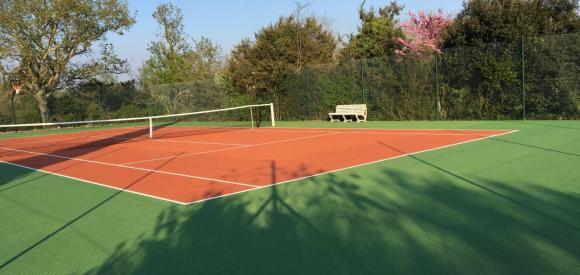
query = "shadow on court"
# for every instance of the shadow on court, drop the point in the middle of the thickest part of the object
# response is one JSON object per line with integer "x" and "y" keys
{"x": 390, "y": 223}
{"x": 71, "y": 148}
{"x": 417, "y": 218}
{"x": 76, "y": 147}
{"x": 77, "y": 218}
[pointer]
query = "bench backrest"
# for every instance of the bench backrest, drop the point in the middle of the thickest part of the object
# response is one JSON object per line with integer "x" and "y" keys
{"x": 358, "y": 109}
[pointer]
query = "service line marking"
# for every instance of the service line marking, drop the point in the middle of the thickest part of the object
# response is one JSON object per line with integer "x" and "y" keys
{"x": 129, "y": 167}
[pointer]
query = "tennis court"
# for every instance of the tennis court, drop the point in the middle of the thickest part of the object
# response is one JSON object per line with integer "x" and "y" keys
{"x": 212, "y": 162}
{"x": 148, "y": 197}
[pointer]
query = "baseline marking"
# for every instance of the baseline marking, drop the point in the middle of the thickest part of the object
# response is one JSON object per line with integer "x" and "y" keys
{"x": 234, "y": 193}
{"x": 353, "y": 166}
{"x": 94, "y": 183}
{"x": 329, "y": 129}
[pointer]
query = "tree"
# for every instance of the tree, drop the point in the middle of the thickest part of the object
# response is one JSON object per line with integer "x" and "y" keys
{"x": 423, "y": 34}
{"x": 168, "y": 60}
{"x": 376, "y": 37}
{"x": 259, "y": 67}
{"x": 484, "y": 21}
{"x": 205, "y": 58}
{"x": 175, "y": 64}
{"x": 173, "y": 58}
{"x": 490, "y": 72}
{"x": 44, "y": 40}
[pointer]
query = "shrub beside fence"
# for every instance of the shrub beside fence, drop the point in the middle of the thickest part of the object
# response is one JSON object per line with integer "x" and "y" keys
{"x": 534, "y": 78}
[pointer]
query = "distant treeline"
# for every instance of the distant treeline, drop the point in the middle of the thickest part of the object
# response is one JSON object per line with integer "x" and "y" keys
{"x": 506, "y": 59}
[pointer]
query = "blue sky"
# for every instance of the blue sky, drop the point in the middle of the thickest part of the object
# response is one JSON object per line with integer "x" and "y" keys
{"x": 228, "y": 21}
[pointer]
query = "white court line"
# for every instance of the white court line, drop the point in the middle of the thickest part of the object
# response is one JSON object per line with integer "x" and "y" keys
{"x": 388, "y": 129}
{"x": 129, "y": 167}
{"x": 86, "y": 130}
{"x": 135, "y": 139}
{"x": 175, "y": 141}
{"x": 321, "y": 130}
{"x": 329, "y": 129}
{"x": 257, "y": 187}
{"x": 186, "y": 155}
{"x": 353, "y": 166}
{"x": 402, "y": 133}
{"x": 233, "y": 148}
{"x": 327, "y": 133}
{"x": 94, "y": 183}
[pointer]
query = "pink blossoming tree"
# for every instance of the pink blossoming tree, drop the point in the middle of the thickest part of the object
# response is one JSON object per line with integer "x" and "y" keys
{"x": 423, "y": 32}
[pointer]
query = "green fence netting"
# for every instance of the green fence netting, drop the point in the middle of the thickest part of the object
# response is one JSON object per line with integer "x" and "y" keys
{"x": 533, "y": 78}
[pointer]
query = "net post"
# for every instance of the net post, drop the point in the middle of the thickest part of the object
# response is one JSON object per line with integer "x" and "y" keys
{"x": 252, "y": 116}
{"x": 272, "y": 114}
{"x": 150, "y": 128}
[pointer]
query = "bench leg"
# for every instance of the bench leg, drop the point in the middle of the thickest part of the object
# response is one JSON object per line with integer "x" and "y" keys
{"x": 361, "y": 119}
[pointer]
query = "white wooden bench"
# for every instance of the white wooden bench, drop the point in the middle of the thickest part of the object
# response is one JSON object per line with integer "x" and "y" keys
{"x": 352, "y": 112}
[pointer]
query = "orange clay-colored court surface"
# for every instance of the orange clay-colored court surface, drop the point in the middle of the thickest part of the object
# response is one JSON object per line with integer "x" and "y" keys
{"x": 210, "y": 163}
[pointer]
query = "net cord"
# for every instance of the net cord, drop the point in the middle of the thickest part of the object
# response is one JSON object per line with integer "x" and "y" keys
{"x": 149, "y": 118}
{"x": 130, "y": 119}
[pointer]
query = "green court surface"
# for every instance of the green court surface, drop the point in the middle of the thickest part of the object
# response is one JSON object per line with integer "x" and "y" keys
{"x": 503, "y": 205}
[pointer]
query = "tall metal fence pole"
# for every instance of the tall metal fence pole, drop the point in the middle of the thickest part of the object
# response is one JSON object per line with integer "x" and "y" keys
{"x": 362, "y": 81}
{"x": 309, "y": 102}
{"x": 523, "y": 83}
{"x": 437, "y": 103}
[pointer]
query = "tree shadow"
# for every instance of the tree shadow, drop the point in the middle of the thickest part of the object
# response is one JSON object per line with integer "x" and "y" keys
{"x": 344, "y": 223}
{"x": 527, "y": 122}
{"x": 75, "y": 219}
{"x": 54, "y": 153}
{"x": 535, "y": 147}
{"x": 390, "y": 221}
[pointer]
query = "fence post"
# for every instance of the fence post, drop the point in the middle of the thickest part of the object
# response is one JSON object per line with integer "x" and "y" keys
{"x": 523, "y": 62}
{"x": 437, "y": 103}
{"x": 309, "y": 102}
{"x": 362, "y": 81}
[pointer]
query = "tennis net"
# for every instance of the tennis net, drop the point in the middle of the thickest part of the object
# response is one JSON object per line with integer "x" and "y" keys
{"x": 96, "y": 133}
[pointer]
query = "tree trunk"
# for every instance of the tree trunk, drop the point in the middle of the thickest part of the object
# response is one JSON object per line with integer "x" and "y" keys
{"x": 42, "y": 106}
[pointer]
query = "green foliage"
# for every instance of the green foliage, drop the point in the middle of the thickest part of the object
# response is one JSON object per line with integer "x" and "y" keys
{"x": 173, "y": 58}
{"x": 175, "y": 61}
{"x": 490, "y": 77}
{"x": 168, "y": 61}
{"x": 97, "y": 100}
{"x": 187, "y": 96}
{"x": 392, "y": 89}
{"x": 491, "y": 73}
{"x": 376, "y": 35}
{"x": 484, "y": 21}
{"x": 44, "y": 37}
{"x": 259, "y": 67}
{"x": 294, "y": 63}
{"x": 552, "y": 82}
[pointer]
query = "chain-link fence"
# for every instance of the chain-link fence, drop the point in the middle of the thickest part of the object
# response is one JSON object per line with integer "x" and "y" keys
{"x": 535, "y": 78}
